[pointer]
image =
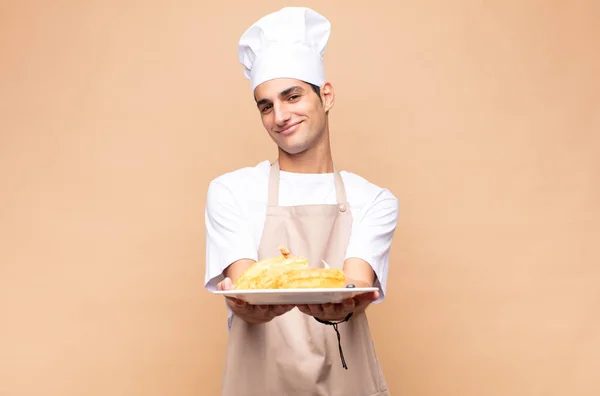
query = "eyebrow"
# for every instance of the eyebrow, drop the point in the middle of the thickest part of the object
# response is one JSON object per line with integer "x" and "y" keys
{"x": 285, "y": 92}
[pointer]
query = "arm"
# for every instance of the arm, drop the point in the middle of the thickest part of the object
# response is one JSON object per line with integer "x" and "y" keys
{"x": 359, "y": 273}
{"x": 367, "y": 257}
{"x": 230, "y": 244}
{"x": 230, "y": 250}
{"x": 368, "y": 253}
{"x": 235, "y": 269}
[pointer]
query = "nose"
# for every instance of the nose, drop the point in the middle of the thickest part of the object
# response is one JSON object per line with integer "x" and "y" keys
{"x": 282, "y": 114}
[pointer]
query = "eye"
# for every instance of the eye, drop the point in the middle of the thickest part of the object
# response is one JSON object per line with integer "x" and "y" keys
{"x": 265, "y": 108}
{"x": 294, "y": 97}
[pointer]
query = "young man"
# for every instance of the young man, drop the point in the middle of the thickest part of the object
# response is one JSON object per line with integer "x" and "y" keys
{"x": 303, "y": 202}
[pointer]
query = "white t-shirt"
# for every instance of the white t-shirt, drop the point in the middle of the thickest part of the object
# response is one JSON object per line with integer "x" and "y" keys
{"x": 236, "y": 207}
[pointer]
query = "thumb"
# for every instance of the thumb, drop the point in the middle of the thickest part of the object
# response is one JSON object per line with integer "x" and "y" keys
{"x": 225, "y": 284}
{"x": 370, "y": 297}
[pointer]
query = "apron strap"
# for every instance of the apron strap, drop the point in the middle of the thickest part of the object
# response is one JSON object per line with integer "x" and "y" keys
{"x": 340, "y": 190}
{"x": 274, "y": 184}
{"x": 273, "y": 199}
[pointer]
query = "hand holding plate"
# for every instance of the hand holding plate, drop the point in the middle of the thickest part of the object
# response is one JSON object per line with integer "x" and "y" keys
{"x": 254, "y": 314}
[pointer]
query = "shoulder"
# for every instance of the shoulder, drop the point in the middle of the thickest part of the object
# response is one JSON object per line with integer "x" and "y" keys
{"x": 239, "y": 181}
{"x": 365, "y": 195}
{"x": 243, "y": 176}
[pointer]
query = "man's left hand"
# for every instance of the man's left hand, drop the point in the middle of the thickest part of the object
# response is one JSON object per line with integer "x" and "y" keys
{"x": 337, "y": 312}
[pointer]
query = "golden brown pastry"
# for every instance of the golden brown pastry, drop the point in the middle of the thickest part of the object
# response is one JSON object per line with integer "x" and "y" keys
{"x": 287, "y": 272}
{"x": 266, "y": 274}
{"x": 313, "y": 278}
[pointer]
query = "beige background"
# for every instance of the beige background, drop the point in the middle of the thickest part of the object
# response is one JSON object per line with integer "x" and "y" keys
{"x": 482, "y": 118}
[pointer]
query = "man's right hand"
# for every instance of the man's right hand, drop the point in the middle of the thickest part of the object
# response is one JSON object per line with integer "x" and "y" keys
{"x": 255, "y": 314}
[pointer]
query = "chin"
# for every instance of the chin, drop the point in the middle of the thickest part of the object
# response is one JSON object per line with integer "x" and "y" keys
{"x": 293, "y": 149}
{"x": 290, "y": 146}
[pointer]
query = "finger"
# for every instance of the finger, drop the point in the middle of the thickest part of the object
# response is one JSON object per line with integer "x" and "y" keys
{"x": 237, "y": 305}
{"x": 316, "y": 309}
{"x": 304, "y": 309}
{"x": 284, "y": 307}
{"x": 278, "y": 310}
{"x": 367, "y": 297}
{"x": 225, "y": 284}
{"x": 263, "y": 310}
{"x": 331, "y": 310}
{"x": 349, "y": 304}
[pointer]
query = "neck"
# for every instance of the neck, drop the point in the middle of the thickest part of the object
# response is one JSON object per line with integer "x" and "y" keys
{"x": 317, "y": 159}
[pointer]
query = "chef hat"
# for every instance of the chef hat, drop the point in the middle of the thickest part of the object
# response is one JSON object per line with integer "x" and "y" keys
{"x": 289, "y": 43}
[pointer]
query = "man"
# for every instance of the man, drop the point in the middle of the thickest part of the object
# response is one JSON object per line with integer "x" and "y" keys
{"x": 303, "y": 202}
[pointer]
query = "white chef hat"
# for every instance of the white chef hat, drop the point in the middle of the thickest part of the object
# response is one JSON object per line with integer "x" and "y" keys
{"x": 289, "y": 43}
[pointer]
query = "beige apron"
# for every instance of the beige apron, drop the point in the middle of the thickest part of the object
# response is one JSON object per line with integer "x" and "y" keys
{"x": 294, "y": 354}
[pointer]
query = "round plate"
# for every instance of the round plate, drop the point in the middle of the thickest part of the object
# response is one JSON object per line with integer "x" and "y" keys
{"x": 295, "y": 296}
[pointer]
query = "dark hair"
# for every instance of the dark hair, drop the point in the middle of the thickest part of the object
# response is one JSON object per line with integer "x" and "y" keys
{"x": 317, "y": 90}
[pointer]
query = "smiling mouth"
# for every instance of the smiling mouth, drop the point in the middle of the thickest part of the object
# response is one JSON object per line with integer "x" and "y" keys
{"x": 289, "y": 129}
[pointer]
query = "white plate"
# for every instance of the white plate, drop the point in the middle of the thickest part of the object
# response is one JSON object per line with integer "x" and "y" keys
{"x": 295, "y": 296}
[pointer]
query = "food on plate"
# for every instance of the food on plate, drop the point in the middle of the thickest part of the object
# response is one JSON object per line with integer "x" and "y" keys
{"x": 288, "y": 272}
{"x": 313, "y": 278}
{"x": 264, "y": 274}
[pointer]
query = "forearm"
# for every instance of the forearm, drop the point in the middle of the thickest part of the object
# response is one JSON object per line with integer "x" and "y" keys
{"x": 253, "y": 314}
{"x": 235, "y": 269}
{"x": 359, "y": 273}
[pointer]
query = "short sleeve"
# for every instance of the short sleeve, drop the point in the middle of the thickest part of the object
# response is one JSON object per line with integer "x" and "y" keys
{"x": 372, "y": 233}
{"x": 228, "y": 234}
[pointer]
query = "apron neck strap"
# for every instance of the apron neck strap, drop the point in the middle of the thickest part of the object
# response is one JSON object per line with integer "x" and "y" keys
{"x": 340, "y": 191}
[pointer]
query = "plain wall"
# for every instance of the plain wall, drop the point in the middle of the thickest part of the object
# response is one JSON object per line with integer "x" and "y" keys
{"x": 481, "y": 117}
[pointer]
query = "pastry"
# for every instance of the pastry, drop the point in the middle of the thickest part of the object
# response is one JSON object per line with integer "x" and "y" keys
{"x": 287, "y": 272}
{"x": 313, "y": 278}
{"x": 266, "y": 274}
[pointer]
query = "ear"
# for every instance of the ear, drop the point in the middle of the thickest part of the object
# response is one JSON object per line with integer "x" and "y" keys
{"x": 327, "y": 96}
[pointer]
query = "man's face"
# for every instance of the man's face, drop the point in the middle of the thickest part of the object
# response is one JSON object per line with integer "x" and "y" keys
{"x": 292, "y": 113}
